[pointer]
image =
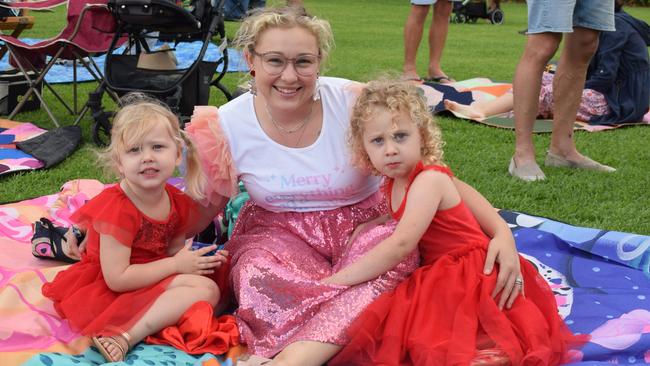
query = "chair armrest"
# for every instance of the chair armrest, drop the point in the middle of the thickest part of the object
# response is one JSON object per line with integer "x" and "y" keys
{"x": 8, "y": 23}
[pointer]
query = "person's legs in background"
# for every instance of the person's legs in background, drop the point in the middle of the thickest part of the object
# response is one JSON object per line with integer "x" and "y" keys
{"x": 437, "y": 37}
{"x": 589, "y": 19}
{"x": 582, "y": 20}
{"x": 527, "y": 82}
{"x": 568, "y": 84}
{"x": 493, "y": 5}
{"x": 412, "y": 36}
{"x": 546, "y": 23}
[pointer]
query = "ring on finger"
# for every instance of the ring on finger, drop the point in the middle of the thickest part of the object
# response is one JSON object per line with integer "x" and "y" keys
{"x": 519, "y": 281}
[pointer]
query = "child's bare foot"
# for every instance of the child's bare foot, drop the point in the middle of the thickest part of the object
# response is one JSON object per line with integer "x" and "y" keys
{"x": 114, "y": 348}
{"x": 465, "y": 110}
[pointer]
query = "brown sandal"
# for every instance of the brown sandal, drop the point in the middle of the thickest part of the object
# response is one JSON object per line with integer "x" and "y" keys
{"x": 114, "y": 340}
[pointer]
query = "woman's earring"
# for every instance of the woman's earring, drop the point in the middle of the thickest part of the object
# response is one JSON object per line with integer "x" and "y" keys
{"x": 252, "y": 87}
{"x": 317, "y": 90}
{"x": 251, "y": 83}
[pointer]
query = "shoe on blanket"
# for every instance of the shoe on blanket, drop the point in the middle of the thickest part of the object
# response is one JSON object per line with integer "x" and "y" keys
{"x": 114, "y": 348}
{"x": 48, "y": 241}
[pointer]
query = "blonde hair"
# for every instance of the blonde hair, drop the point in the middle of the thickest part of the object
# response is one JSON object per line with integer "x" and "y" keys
{"x": 137, "y": 117}
{"x": 396, "y": 97}
{"x": 260, "y": 20}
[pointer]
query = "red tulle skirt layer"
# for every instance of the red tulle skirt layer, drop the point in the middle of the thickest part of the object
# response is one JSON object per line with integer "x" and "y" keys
{"x": 444, "y": 314}
{"x": 81, "y": 296}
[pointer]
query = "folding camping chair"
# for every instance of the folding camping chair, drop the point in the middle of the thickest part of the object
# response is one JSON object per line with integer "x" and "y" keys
{"x": 88, "y": 32}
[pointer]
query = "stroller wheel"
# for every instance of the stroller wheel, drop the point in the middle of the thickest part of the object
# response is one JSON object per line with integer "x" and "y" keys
{"x": 497, "y": 16}
{"x": 460, "y": 18}
{"x": 102, "y": 129}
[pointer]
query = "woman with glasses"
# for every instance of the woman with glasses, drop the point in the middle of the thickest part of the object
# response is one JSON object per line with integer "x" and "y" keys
{"x": 285, "y": 140}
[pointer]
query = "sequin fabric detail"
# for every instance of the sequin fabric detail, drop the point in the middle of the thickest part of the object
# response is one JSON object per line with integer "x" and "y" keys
{"x": 278, "y": 260}
{"x": 152, "y": 239}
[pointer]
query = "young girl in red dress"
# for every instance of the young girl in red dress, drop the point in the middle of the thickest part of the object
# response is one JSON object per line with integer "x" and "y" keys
{"x": 138, "y": 274}
{"x": 446, "y": 312}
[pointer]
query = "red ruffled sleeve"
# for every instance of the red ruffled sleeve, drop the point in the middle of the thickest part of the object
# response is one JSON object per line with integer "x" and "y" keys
{"x": 110, "y": 213}
{"x": 214, "y": 153}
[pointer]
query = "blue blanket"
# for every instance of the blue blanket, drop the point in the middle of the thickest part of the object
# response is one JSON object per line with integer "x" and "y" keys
{"x": 601, "y": 281}
{"x": 185, "y": 54}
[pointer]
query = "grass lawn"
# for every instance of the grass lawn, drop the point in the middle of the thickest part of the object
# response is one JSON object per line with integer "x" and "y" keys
{"x": 369, "y": 43}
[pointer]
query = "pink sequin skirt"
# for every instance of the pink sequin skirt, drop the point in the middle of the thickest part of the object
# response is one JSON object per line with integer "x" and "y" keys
{"x": 278, "y": 260}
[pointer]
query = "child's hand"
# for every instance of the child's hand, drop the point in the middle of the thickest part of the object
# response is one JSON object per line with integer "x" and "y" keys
{"x": 502, "y": 250}
{"x": 193, "y": 262}
{"x": 221, "y": 256}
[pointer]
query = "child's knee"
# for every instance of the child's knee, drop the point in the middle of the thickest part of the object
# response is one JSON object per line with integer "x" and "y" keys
{"x": 208, "y": 289}
{"x": 212, "y": 293}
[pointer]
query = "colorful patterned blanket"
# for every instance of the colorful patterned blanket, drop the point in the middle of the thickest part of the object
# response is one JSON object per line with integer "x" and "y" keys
{"x": 486, "y": 89}
{"x": 601, "y": 280}
{"x": 12, "y": 159}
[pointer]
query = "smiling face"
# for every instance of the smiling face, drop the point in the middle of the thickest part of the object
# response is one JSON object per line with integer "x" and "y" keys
{"x": 146, "y": 164}
{"x": 392, "y": 142}
{"x": 287, "y": 91}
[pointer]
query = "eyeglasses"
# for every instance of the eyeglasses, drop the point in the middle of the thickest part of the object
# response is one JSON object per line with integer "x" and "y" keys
{"x": 274, "y": 63}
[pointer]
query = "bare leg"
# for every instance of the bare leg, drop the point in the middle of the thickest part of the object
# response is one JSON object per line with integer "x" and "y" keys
{"x": 483, "y": 108}
{"x": 527, "y": 83}
{"x": 305, "y": 353}
{"x": 494, "y": 4}
{"x": 568, "y": 84}
{"x": 438, "y": 35}
{"x": 412, "y": 36}
{"x": 182, "y": 292}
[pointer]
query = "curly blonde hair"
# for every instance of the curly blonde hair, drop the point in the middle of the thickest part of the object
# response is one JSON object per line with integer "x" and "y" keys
{"x": 397, "y": 97}
{"x": 138, "y": 115}
{"x": 260, "y": 20}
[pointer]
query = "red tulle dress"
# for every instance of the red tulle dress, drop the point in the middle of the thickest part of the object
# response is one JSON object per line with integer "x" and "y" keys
{"x": 443, "y": 313}
{"x": 80, "y": 293}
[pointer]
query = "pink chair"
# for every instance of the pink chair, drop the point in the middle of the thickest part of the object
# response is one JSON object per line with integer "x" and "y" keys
{"x": 88, "y": 32}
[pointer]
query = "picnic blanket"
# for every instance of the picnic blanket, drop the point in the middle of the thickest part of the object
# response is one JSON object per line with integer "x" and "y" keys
{"x": 601, "y": 280}
{"x": 11, "y": 158}
{"x": 185, "y": 54}
{"x": 486, "y": 89}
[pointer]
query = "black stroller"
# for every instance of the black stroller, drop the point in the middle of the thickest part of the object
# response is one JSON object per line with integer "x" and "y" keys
{"x": 466, "y": 11}
{"x": 144, "y": 21}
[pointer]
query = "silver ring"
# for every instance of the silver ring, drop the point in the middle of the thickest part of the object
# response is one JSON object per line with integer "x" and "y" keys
{"x": 519, "y": 281}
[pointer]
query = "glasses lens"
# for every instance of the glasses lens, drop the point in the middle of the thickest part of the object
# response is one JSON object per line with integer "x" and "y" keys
{"x": 306, "y": 65}
{"x": 275, "y": 63}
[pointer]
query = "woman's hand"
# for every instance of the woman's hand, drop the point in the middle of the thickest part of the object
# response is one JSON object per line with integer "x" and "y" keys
{"x": 502, "y": 250}
{"x": 195, "y": 262}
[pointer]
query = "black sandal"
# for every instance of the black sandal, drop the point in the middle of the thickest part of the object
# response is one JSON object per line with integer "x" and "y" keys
{"x": 46, "y": 242}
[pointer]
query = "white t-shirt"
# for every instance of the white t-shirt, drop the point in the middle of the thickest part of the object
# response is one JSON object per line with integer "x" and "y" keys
{"x": 313, "y": 178}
